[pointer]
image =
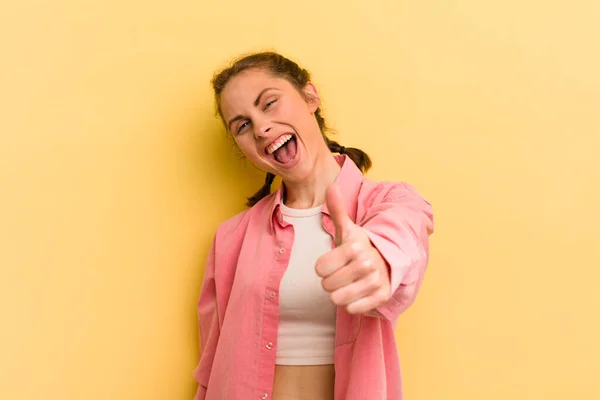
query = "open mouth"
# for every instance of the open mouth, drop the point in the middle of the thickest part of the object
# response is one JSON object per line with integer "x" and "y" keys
{"x": 284, "y": 149}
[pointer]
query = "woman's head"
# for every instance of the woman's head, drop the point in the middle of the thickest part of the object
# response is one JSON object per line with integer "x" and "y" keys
{"x": 273, "y": 63}
{"x": 270, "y": 106}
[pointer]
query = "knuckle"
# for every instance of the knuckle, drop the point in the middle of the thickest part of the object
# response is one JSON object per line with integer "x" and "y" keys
{"x": 381, "y": 297}
{"x": 362, "y": 270}
{"x": 369, "y": 264}
{"x": 376, "y": 275}
{"x": 356, "y": 249}
{"x": 319, "y": 269}
{"x": 373, "y": 281}
{"x": 354, "y": 310}
{"x": 333, "y": 298}
{"x": 336, "y": 298}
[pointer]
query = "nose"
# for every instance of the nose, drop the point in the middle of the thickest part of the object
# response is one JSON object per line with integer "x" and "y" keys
{"x": 262, "y": 128}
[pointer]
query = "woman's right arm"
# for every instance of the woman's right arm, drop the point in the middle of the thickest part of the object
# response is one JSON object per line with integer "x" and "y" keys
{"x": 208, "y": 326}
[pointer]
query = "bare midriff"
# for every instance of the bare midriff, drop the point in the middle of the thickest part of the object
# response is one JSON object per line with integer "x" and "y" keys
{"x": 303, "y": 382}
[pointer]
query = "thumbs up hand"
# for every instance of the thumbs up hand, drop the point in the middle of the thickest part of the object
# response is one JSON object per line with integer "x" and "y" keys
{"x": 354, "y": 273}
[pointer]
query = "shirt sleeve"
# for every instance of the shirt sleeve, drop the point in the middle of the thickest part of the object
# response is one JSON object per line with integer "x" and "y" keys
{"x": 399, "y": 227}
{"x": 208, "y": 326}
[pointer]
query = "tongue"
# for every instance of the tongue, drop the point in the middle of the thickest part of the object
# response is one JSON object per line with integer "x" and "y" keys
{"x": 287, "y": 152}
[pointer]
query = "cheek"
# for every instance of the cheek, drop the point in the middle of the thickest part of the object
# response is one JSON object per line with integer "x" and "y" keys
{"x": 248, "y": 147}
{"x": 282, "y": 113}
{"x": 245, "y": 145}
{"x": 297, "y": 115}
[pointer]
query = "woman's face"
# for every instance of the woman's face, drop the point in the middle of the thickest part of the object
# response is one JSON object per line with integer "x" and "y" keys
{"x": 273, "y": 124}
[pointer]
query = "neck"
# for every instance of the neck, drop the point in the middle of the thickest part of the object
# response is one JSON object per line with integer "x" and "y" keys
{"x": 310, "y": 192}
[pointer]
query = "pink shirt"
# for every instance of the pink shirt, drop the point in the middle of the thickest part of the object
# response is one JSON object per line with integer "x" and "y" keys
{"x": 238, "y": 306}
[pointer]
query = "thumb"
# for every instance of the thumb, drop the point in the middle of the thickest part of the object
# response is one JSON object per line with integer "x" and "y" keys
{"x": 337, "y": 212}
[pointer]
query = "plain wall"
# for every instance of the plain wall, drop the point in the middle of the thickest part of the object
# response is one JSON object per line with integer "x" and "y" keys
{"x": 114, "y": 173}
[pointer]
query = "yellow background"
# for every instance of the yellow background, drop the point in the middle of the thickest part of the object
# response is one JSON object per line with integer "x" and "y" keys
{"x": 114, "y": 174}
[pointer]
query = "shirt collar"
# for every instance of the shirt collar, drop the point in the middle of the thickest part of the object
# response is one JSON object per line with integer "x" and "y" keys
{"x": 349, "y": 181}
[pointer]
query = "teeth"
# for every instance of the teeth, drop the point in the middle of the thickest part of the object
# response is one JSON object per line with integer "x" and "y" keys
{"x": 278, "y": 143}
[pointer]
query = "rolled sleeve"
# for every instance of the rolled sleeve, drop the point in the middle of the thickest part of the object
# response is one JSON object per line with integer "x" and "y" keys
{"x": 399, "y": 227}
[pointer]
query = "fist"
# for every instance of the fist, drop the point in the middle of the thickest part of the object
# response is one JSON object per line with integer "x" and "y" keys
{"x": 354, "y": 273}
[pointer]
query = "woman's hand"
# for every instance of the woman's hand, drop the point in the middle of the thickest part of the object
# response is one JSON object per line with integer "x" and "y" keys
{"x": 354, "y": 273}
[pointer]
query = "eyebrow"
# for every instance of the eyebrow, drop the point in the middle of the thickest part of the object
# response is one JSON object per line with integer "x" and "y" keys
{"x": 238, "y": 117}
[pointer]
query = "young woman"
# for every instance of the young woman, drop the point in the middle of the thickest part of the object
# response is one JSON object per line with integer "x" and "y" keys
{"x": 302, "y": 291}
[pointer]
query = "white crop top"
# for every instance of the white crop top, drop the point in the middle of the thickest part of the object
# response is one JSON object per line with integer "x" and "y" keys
{"x": 306, "y": 333}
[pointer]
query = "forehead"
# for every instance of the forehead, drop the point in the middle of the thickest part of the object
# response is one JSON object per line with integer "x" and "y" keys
{"x": 241, "y": 91}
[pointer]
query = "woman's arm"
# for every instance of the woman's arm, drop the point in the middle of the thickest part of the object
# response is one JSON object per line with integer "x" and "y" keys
{"x": 208, "y": 326}
{"x": 399, "y": 226}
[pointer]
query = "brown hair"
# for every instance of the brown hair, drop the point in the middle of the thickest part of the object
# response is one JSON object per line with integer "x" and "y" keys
{"x": 287, "y": 69}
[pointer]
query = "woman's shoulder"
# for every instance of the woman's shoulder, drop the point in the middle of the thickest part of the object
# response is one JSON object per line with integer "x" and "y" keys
{"x": 386, "y": 189}
{"x": 239, "y": 222}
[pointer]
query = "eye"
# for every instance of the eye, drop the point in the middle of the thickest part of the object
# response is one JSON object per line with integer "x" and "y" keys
{"x": 242, "y": 126}
{"x": 269, "y": 104}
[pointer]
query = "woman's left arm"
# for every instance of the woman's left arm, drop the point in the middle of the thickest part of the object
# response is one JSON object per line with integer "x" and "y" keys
{"x": 379, "y": 260}
{"x": 398, "y": 226}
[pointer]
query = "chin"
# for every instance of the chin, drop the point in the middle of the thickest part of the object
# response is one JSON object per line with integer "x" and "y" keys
{"x": 299, "y": 173}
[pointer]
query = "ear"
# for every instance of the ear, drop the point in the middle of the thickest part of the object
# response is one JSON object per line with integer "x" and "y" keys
{"x": 312, "y": 97}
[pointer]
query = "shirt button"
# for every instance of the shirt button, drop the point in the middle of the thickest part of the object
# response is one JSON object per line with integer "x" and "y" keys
{"x": 272, "y": 295}
{"x": 281, "y": 250}
{"x": 269, "y": 345}
{"x": 264, "y": 396}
